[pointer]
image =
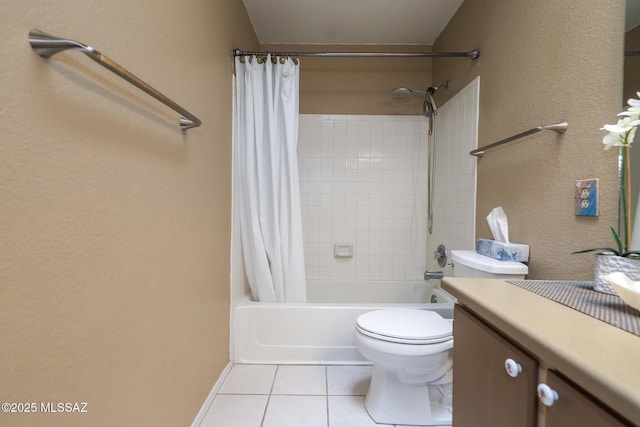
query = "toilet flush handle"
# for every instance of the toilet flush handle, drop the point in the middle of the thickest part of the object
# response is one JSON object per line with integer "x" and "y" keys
{"x": 512, "y": 367}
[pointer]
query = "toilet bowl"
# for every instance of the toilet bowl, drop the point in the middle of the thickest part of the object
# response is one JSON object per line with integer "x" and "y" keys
{"x": 411, "y": 352}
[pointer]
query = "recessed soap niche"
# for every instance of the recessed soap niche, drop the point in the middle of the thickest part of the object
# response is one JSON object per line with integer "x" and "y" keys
{"x": 343, "y": 250}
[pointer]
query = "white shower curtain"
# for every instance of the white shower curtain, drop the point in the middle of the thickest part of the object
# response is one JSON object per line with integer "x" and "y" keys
{"x": 266, "y": 181}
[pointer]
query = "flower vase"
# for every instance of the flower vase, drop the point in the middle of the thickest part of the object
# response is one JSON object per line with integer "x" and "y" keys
{"x": 608, "y": 262}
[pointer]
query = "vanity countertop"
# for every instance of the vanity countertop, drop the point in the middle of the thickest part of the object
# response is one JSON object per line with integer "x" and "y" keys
{"x": 600, "y": 358}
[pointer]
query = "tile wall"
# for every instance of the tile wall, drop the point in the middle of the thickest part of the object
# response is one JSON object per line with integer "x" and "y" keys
{"x": 455, "y": 185}
{"x": 363, "y": 183}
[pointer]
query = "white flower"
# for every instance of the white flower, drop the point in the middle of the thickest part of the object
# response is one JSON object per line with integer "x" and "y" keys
{"x": 634, "y": 102}
{"x": 623, "y": 132}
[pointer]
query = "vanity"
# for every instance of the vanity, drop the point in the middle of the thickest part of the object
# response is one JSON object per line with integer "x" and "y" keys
{"x": 509, "y": 341}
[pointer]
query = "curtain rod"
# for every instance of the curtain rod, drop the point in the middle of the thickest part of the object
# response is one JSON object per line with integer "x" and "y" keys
{"x": 474, "y": 54}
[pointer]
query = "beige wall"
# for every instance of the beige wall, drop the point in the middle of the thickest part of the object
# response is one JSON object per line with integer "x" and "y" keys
{"x": 542, "y": 62}
{"x": 359, "y": 85}
{"x": 115, "y": 226}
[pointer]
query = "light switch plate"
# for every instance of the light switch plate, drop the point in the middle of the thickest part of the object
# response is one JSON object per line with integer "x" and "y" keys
{"x": 587, "y": 197}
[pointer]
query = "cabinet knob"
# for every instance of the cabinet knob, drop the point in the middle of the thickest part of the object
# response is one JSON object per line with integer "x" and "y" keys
{"x": 547, "y": 395}
{"x": 512, "y": 367}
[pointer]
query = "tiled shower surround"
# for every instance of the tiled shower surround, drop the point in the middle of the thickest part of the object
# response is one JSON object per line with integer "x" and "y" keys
{"x": 455, "y": 186}
{"x": 363, "y": 183}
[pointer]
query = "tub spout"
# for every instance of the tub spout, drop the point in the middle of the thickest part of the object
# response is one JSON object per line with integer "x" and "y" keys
{"x": 429, "y": 275}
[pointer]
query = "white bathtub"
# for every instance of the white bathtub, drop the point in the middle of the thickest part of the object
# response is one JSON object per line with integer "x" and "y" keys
{"x": 321, "y": 331}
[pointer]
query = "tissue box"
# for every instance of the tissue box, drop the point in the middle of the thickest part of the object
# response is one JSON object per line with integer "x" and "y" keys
{"x": 503, "y": 251}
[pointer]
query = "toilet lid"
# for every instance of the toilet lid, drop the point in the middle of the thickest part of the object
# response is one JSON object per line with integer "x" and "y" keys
{"x": 407, "y": 325}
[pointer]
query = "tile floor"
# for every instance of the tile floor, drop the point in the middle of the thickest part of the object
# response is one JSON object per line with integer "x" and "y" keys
{"x": 292, "y": 396}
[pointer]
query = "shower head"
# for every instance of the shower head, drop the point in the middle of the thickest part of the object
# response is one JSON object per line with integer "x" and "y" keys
{"x": 428, "y": 104}
{"x": 405, "y": 93}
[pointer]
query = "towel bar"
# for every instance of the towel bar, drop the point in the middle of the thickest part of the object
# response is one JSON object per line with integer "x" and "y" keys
{"x": 47, "y": 45}
{"x": 560, "y": 127}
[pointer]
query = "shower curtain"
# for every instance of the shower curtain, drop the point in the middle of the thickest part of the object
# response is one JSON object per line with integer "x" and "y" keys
{"x": 267, "y": 184}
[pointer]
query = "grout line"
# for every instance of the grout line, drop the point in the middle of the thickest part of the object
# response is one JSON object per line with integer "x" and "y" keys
{"x": 269, "y": 394}
{"x": 242, "y": 394}
{"x": 266, "y": 407}
{"x": 295, "y": 395}
{"x": 326, "y": 395}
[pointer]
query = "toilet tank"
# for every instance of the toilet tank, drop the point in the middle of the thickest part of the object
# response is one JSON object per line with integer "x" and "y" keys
{"x": 472, "y": 264}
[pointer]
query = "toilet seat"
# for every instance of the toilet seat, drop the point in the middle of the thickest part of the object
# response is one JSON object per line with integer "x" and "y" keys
{"x": 406, "y": 326}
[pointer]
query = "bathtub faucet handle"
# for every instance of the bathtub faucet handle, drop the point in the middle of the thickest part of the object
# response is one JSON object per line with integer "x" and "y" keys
{"x": 433, "y": 275}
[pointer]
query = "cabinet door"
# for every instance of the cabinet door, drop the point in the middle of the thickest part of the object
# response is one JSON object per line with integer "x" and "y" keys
{"x": 484, "y": 395}
{"x": 575, "y": 408}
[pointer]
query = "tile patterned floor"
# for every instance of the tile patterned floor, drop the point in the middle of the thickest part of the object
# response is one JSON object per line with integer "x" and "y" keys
{"x": 292, "y": 396}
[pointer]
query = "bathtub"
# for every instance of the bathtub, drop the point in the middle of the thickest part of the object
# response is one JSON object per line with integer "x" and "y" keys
{"x": 321, "y": 330}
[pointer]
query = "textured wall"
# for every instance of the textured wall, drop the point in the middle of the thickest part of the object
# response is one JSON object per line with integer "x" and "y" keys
{"x": 542, "y": 62}
{"x": 115, "y": 226}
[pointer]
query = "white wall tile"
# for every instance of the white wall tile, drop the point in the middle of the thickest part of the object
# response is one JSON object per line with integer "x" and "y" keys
{"x": 364, "y": 181}
{"x": 375, "y": 193}
{"x": 454, "y": 214}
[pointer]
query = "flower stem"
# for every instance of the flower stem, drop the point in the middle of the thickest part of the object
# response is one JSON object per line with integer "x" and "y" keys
{"x": 627, "y": 213}
{"x": 625, "y": 191}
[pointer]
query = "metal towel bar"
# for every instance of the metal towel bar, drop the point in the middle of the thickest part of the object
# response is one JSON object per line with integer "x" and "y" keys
{"x": 560, "y": 127}
{"x": 47, "y": 45}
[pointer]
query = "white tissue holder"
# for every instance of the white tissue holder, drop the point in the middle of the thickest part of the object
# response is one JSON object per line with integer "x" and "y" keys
{"x": 503, "y": 251}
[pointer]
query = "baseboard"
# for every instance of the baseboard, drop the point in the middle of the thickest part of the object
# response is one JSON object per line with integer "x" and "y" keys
{"x": 212, "y": 394}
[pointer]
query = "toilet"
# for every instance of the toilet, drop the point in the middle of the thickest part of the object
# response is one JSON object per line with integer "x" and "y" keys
{"x": 472, "y": 264}
{"x": 411, "y": 352}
